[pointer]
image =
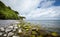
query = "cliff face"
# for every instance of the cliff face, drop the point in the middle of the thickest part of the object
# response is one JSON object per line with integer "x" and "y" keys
{"x": 7, "y": 12}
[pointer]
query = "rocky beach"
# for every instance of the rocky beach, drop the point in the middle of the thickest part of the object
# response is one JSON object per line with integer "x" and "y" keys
{"x": 25, "y": 29}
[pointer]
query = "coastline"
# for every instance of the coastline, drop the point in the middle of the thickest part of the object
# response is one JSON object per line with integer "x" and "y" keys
{"x": 25, "y": 29}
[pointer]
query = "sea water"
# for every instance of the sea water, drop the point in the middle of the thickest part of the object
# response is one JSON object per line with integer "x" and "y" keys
{"x": 51, "y": 25}
{"x": 5, "y": 23}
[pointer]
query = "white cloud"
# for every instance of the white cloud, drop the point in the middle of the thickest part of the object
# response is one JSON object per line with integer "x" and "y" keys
{"x": 28, "y": 8}
{"x": 47, "y": 13}
{"x": 23, "y": 6}
{"x": 46, "y": 3}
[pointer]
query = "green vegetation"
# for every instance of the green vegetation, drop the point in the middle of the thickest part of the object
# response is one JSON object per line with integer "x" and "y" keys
{"x": 7, "y": 12}
{"x": 21, "y": 17}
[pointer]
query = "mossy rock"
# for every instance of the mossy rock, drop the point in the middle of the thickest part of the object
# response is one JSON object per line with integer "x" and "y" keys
{"x": 32, "y": 36}
{"x": 33, "y": 32}
{"x": 40, "y": 36}
{"x": 54, "y": 34}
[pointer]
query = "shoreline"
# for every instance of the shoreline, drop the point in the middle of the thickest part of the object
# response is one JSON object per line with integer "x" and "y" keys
{"x": 27, "y": 29}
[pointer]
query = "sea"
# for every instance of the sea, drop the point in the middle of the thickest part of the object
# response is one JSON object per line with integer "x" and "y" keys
{"x": 5, "y": 23}
{"x": 50, "y": 25}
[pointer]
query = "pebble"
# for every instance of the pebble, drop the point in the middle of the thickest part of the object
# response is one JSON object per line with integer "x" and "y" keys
{"x": 2, "y": 29}
{"x": 19, "y": 30}
{"x": 7, "y": 30}
{"x": 10, "y": 33}
{"x": 1, "y": 33}
{"x": 10, "y": 27}
{"x": 5, "y": 35}
{"x": 14, "y": 30}
{"x": 19, "y": 26}
{"x": 15, "y": 36}
{"x": 15, "y": 27}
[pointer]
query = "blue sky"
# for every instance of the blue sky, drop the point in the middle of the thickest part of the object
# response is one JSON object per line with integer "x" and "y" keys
{"x": 36, "y": 9}
{"x": 57, "y": 3}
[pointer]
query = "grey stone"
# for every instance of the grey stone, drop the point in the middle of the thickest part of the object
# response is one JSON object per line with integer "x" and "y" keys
{"x": 14, "y": 30}
{"x": 10, "y": 33}
{"x": 2, "y": 29}
{"x": 15, "y": 36}
{"x": 7, "y": 30}
{"x": 15, "y": 27}
{"x": 10, "y": 27}
{"x": 5, "y": 35}
{"x": 1, "y": 33}
{"x": 19, "y": 30}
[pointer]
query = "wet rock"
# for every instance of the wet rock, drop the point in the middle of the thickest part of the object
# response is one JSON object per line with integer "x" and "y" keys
{"x": 2, "y": 29}
{"x": 10, "y": 34}
{"x": 33, "y": 29}
{"x": 8, "y": 29}
{"x": 19, "y": 26}
{"x": 19, "y": 31}
{"x": 14, "y": 30}
{"x": 15, "y": 36}
{"x": 15, "y": 27}
{"x": 5, "y": 35}
{"x": 1, "y": 33}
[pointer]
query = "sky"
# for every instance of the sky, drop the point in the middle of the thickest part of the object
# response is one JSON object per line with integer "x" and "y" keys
{"x": 36, "y": 9}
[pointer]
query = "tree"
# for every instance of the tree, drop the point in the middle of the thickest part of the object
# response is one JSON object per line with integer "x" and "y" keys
{"x": 7, "y": 12}
{"x": 21, "y": 17}
{"x": 16, "y": 12}
{"x": 9, "y": 7}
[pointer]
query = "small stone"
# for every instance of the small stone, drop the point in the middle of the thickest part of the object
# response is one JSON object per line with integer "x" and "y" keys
{"x": 10, "y": 33}
{"x": 2, "y": 29}
{"x": 15, "y": 36}
{"x": 5, "y": 35}
{"x": 1, "y": 33}
{"x": 10, "y": 27}
{"x": 7, "y": 30}
{"x": 14, "y": 30}
{"x": 33, "y": 28}
{"x": 15, "y": 27}
{"x": 19, "y": 25}
{"x": 19, "y": 30}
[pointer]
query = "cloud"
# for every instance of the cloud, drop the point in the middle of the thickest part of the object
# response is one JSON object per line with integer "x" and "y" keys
{"x": 35, "y": 9}
{"x": 46, "y": 3}
{"x": 22, "y": 6}
{"x": 45, "y": 14}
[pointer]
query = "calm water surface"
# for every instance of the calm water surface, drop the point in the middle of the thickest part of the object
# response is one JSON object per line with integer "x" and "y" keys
{"x": 51, "y": 25}
{"x": 7, "y": 22}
